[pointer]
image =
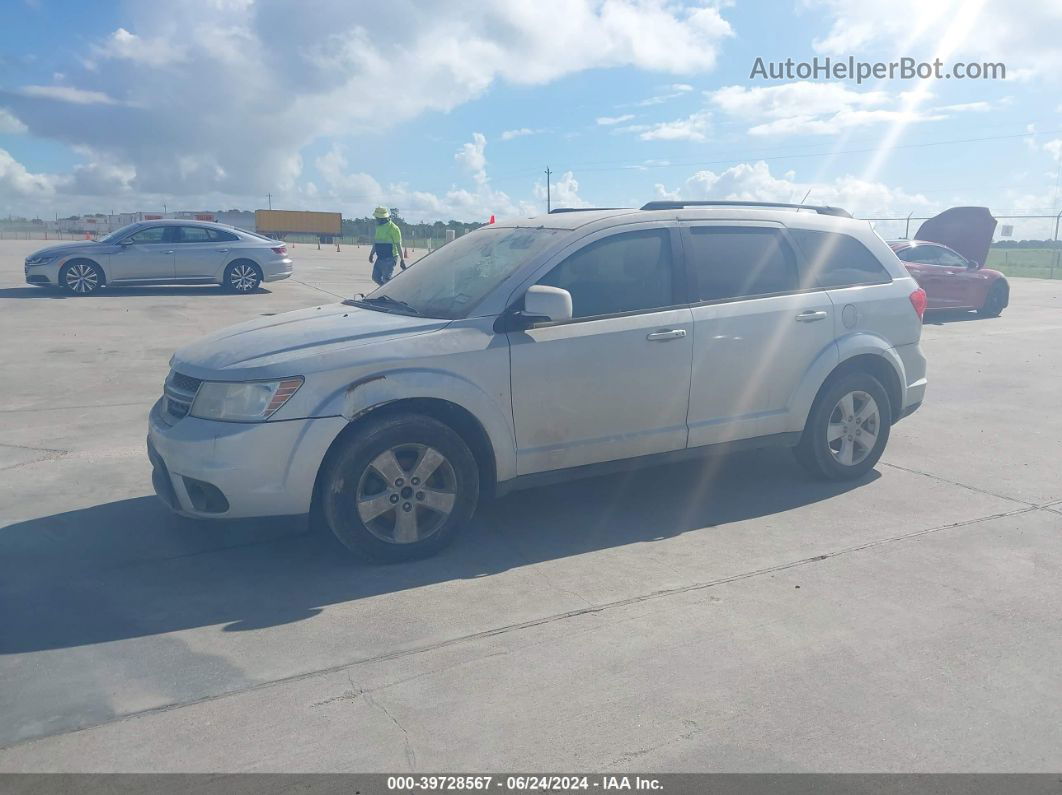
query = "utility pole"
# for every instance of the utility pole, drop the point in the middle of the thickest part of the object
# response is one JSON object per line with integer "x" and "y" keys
{"x": 548, "y": 172}
{"x": 269, "y": 198}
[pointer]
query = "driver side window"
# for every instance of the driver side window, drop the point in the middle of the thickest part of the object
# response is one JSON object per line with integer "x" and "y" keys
{"x": 623, "y": 273}
{"x": 153, "y": 234}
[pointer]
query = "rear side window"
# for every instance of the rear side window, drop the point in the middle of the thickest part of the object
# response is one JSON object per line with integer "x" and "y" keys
{"x": 623, "y": 273}
{"x": 740, "y": 262}
{"x": 220, "y": 236}
{"x": 837, "y": 260}
{"x": 195, "y": 234}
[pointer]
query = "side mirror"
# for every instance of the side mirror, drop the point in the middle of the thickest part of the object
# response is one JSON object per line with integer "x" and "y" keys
{"x": 125, "y": 242}
{"x": 973, "y": 265}
{"x": 550, "y": 303}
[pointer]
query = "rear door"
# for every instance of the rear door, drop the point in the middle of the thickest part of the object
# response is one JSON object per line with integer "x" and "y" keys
{"x": 756, "y": 329}
{"x": 856, "y": 281}
{"x": 613, "y": 382}
{"x": 148, "y": 256}
{"x": 199, "y": 253}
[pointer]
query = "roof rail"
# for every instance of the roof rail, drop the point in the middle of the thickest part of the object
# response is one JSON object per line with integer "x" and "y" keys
{"x": 680, "y": 205}
{"x": 582, "y": 209}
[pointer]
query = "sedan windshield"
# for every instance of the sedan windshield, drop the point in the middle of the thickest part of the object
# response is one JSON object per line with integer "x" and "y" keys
{"x": 451, "y": 280}
{"x": 118, "y": 234}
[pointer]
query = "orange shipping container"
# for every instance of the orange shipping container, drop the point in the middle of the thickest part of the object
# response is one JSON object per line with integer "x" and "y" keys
{"x": 314, "y": 223}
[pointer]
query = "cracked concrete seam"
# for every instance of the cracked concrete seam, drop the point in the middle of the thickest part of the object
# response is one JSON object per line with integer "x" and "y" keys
{"x": 497, "y": 631}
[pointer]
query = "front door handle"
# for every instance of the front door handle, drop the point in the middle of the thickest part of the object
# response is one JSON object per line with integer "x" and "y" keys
{"x": 168, "y": 252}
{"x": 223, "y": 250}
{"x": 669, "y": 334}
{"x": 811, "y": 316}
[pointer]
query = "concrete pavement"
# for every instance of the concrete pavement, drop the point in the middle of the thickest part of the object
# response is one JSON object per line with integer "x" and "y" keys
{"x": 726, "y": 616}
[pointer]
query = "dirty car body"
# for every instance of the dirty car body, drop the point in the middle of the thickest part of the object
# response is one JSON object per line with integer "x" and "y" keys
{"x": 646, "y": 359}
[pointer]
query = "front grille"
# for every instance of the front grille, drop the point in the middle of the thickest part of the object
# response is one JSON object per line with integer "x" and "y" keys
{"x": 180, "y": 390}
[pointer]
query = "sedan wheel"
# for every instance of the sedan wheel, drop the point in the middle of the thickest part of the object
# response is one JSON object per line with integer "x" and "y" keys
{"x": 242, "y": 277}
{"x": 81, "y": 278}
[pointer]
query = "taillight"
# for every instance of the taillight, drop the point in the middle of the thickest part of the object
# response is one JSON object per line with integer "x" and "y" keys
{"x": 280, "y": 250}
{"x": 918, "y": 301}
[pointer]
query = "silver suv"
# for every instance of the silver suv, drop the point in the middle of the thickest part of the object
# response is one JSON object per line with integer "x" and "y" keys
{"x": 547, "y": 349}
{"x": 162, "y": 252}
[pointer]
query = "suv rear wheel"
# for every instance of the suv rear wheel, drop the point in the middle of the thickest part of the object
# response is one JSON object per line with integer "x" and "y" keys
{"x": 400, "y": 488}
{"x": 847, "y": 429}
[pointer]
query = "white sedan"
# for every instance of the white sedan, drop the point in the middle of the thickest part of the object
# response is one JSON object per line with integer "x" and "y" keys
{"x": 162, "y": 252}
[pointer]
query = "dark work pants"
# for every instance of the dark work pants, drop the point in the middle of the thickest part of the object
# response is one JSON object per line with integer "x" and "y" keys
{"x": 383, "y": 269}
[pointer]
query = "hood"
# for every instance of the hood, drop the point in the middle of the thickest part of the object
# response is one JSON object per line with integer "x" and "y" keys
{"x": 967, "y": 230}
{"x": 299, "y": 341}
{"x": 64, "y": 248}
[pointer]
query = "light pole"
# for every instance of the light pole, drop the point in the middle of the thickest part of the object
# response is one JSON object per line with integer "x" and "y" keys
{"x": 548, "y": 208}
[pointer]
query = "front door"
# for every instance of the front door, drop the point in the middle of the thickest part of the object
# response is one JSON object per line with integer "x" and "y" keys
{"x": 614, "y": 382}
{"x": 146, "y": 255}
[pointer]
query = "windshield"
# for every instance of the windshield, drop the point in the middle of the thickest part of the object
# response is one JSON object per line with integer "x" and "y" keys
{"x": 118, "y": 234}
{"x": 451, "y": 280}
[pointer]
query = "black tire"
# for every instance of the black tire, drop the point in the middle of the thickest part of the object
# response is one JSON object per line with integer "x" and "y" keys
{"x": 817, "y": 453}
{"x": 995, "y": 301}
{"x": 81, "y": 277}
{"x": 242, "y": 276}
{"x": 349, "y": 474}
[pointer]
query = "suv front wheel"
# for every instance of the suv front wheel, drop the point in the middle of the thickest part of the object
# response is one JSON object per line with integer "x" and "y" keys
{"x": 399, "y": 488}
{"x": 847, "y": 429}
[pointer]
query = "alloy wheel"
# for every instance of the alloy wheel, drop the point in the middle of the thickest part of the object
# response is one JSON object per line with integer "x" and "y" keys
{"x": 853, "y": 427}
{"x": 406, "y": 493}
{"x": 243, "y": 277}
{"x": 82, "y": 278}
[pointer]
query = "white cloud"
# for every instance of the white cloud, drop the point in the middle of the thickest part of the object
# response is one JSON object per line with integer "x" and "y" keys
{"x": 10, "y": 124}
{"x": 508, "y": 135}
{"x": 1054, "y": 148}
{"x": 154, "y": 52}
{"x": 1024, "y": 36}
{"x": 694, "y": 127}
{"x": 806, "y": 108}
{"x": 473, "y": 157}
{"x": 76, "y": 96}
{"x": 563, "y": 193}
{"x": 257, "y": 83}
{"x": 356, "y": 191}
{"x": 18, "y": 183}
{"x": 754, "y": 182}
{"x": 609, "y": 120}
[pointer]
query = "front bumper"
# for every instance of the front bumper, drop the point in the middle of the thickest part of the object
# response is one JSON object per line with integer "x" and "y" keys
{"x": 42, "y": 275}
{"x": 209, "y": 469}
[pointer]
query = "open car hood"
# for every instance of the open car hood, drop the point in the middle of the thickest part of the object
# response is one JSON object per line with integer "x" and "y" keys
{"x": 967, "y": 230}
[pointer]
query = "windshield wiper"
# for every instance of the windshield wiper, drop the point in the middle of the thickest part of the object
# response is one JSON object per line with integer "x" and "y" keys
{"x": 384, "y": 300}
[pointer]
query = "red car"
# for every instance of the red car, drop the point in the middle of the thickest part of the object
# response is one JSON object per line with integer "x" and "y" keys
{"x": 952, "y": 281}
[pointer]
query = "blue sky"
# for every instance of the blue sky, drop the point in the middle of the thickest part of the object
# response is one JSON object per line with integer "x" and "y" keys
{"x": 453, "y": 110}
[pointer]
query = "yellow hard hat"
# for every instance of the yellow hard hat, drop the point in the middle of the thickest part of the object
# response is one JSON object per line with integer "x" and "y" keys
{"x": 381, "y": 212}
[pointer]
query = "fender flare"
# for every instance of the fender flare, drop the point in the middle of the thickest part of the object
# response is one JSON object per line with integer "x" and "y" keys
{"x": 371, "y": 392}
{"x": 840, "y": 351}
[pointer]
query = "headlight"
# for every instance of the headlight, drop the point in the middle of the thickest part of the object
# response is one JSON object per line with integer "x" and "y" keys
{"x": 41, "y": 260}
{"x": 249, "y": 401}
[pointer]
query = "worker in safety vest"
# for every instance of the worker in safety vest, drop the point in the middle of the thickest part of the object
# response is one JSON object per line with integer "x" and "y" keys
{"x": 387, "y": 246}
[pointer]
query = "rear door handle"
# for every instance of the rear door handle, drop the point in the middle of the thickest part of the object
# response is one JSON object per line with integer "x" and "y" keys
{"x": 811, "y": 316}
{"x": 223, "y": 250}
{"x": 168, "y": 252}
{"x": 669, "y": 334}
